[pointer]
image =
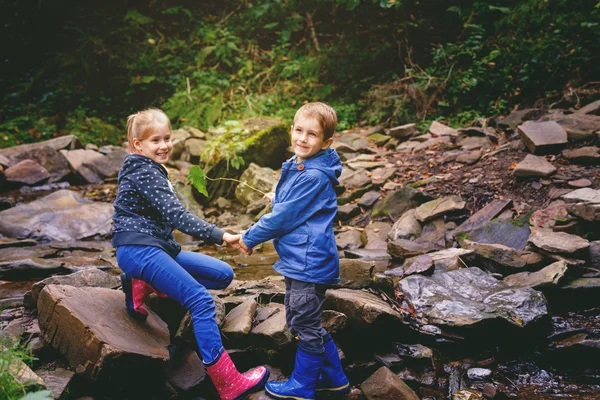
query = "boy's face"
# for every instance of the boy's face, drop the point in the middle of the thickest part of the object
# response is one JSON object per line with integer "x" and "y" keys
{"x": 308, "y": 138}
{"x": 157, "y": 146}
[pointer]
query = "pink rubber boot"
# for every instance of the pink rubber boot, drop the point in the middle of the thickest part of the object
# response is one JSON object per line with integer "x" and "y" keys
{"x": 136, "y": 292}
{"x": 232, "y": 385}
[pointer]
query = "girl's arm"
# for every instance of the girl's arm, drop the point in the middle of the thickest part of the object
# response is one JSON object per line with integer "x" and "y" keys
{"x": 159, "y": 192}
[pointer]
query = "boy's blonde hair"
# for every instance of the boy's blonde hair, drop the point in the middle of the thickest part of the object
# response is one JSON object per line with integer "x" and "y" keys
{"x": 322, "y": 113}
{"x": 142, "y": 124}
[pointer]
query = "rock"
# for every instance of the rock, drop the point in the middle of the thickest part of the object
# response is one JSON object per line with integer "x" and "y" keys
{"x": 385, "y": 385}
{"x": 510, "y": 233}
{"x": 402, "y": 248}
{"x": 396, "y": 203}
{"x": 68, "y": 142}
{"x": 91, "y": 329}
{"x": 503, "y": 255}
{"x": 368, "y": 199}
{"x": 334, "y": 321}
{"x": 26, "y": 172}
{"x": 470, "y": 296}
{"x": 548, "y": 217}
{"x": 547, "y": 276}
{"x": 534, "y": 166}
{"x": 557, "y": 242}
{"x": 361, "y": 308}
{"x": 418, "y": 265}
{"x": 57, "y": 380}
{"x": 178, "y": 138}
{"x": 517, "y": 117}
{"x": 441, "y": 206}
{"x": 376, "y": 232}
{"x": 261, "y": 178}
{"x": 469, "y": 158}
{"x": 406, "y": 227}
{"x": 595, "y": 254}
{"x": 475, "y": 143}
{"x": 238, "y": 321}
{"x": 349, "y": 240}
{"x": 9, "y": 242}
{"x": 273, "y": 332}
{"x": 355, "y": 273}
{"x": 586, "y": 211}
{"x": 37, "y": 267}
{"x": 591, "y": 108}
{"x": 438, "y": 129}
{"x": 403, "y": 132}
{"x": 347, "y": 212}
{"x": 580, "y": 183}
{"x": 577, "y": 126}
{"x": 588, "y": 155}
{"x": 265, "y": 145}
{"x": 86, "y": 278}
{"x": 449, "y": 259}
{"x": 543, "y": 137}
{"x": 381, "y": 175}
{"x": 478, "y": 374}
{"x": 185, "y": 370}
{"x": 467, "y": 394}
{"x": 63, "y": 215}
{"x": 54, "y": 162}
{"x": 351, "y": 179}
{"x": 483, "y": 216}
{"x": 367, "y": 254}
{"x": 585, "y": 195}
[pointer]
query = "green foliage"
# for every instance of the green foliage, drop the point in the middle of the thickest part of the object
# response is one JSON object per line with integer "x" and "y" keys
{"x": 10, "y": 356}
{"x": 198, "y": 179}
{"x": 227, "y": 146}
{"x": 70, "y": 67}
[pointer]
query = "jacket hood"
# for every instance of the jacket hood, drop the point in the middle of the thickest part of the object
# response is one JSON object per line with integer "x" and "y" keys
{"x": 327, "y": 161}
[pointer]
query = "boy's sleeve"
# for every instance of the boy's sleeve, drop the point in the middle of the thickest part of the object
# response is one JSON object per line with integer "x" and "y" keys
{"x": 155, "y": 187}
{"x": 288, "y": 213}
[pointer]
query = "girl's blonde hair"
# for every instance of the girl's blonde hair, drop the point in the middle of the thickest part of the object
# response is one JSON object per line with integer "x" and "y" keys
{"x": 142, "y": 124}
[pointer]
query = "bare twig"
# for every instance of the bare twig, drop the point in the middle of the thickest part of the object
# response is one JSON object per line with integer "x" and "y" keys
{"x": 311, "y": 28}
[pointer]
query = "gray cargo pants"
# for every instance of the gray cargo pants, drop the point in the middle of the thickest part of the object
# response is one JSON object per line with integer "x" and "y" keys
{"x": 303, "y": 308}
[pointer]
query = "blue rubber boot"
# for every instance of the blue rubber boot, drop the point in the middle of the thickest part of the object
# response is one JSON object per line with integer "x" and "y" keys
{"x": 302, "y": 384}
{"x": 332, "y": 378}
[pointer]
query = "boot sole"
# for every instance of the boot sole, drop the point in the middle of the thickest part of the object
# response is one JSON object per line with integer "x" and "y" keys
{"x": 277, "y": 396}
{"x": 126, "y": 283}
{"x": 341, "y": 389}
{"x": 256, "y": 387}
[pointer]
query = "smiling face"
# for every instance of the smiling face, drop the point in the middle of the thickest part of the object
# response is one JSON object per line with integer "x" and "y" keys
{"x": 308, "y": 138}
{"x": 157, "y": 146}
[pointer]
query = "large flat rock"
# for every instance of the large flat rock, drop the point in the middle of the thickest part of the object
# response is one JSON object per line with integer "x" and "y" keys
{"x": 90, "y": 327}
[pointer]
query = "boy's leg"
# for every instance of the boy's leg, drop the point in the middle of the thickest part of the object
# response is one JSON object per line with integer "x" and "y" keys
{"x": 160, "y": 270}
{"x": 304, "y": 302}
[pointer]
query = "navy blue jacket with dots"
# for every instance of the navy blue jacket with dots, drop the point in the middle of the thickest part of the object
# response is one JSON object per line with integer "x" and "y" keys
{"x": 147, "y": 210}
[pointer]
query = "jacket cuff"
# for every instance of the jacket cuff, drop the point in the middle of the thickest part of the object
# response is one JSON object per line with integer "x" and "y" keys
{"x": 216, "y": 235}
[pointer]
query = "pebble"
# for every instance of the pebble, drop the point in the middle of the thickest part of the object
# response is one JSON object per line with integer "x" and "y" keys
{"x": 580, "y": 183}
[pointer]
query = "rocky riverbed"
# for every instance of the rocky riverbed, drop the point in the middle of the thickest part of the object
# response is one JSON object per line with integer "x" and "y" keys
{"x": 470, "y": 264}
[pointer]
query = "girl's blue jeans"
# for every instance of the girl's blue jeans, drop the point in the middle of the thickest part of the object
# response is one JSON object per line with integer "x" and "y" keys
{"x": 186, "y": 279}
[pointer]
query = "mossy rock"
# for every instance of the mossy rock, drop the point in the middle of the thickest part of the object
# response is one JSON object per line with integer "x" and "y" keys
{"x": 265, "y": 146}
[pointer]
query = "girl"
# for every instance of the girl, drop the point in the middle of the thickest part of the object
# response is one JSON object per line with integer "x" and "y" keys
{"x": 146, "y": 212}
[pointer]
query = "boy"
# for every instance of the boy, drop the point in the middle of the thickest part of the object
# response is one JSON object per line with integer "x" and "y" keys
{"x": 301, "y": 224}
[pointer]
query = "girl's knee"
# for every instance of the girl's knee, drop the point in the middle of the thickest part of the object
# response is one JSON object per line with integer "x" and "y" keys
{"x": 227, "y": 277}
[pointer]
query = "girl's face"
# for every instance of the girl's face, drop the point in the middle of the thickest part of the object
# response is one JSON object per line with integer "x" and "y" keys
{"x": 157, "y": 146}
{"x": 308, "y": 138}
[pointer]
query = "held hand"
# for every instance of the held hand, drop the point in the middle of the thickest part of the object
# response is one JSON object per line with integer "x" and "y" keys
{"x": 269, "y": 196}
{"x": 234, "y": 241}
{"x": 244, "y": 248}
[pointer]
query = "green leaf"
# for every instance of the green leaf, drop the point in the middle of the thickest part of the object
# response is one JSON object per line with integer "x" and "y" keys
{"x": 271, "y": 25}
{"x": 198, "y": 179}
{"x": 137, "y": 18}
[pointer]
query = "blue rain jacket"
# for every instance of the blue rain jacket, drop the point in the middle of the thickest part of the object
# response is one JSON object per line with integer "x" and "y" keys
{"x": 301, "y": 222}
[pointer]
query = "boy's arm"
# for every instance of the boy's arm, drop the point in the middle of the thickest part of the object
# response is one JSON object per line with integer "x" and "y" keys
{"x": 288, "y": 213}
{"x": 155, "y": 187}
